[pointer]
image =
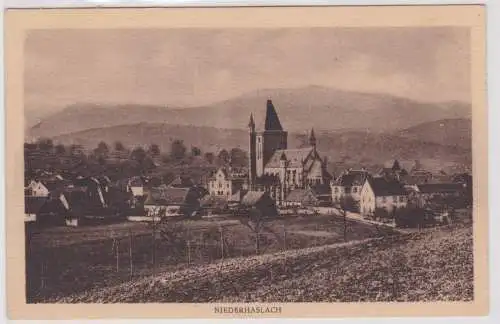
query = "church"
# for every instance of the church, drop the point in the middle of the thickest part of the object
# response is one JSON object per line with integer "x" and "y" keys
{"x": 275, "y": 168}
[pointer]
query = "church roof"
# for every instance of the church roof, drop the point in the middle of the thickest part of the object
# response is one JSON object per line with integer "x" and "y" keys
{"x": 296, "y": 157}
{"x": 272, "y": 122}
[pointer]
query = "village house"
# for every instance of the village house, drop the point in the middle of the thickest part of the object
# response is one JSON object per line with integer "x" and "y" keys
{"x": 42, "y": 187}
{"x": 32, "y": 207}
{"x": 275, "y": 168}
{"x": 226, "y": 185}
{"x": 44, "y": 210}
{"x": 427, "y": 193}
{"x": 349, "y": 184}
{"x": 183, "y": 202}
{"x": 382, "y": 193}
{"x": 261, "y": 202}
{"x": 136, "y": 186}
{"x": 301, "y": 198}
{"x": 396, "y": 172}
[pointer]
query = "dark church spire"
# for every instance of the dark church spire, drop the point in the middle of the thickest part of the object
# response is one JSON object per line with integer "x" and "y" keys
{"x": 272, "y": 120}
{"x": 312, "y": 138}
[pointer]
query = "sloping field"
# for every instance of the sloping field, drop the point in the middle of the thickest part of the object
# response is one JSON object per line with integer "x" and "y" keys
{"x": 426, "y": 266}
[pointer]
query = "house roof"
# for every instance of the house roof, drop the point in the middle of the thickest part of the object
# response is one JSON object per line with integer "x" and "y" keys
{"x": 53, "y": 184}
{"x": 136, "y": 182}
{"x": 439, "y": 187}
{"x": 384, "y": 187}
{"x": 352, "y": 178}
{"x": 300, "y": 195}
{"x": 77, "y": 199}
{"x": 167, "y": 196}
{"x": 33, "y": 204}
{"x": 182, "y": 181}
{"x": 252, "y": 197}
{"x": 415, "y": 179}
{"x": 214, "y": 202}
{"x": 296, "y": 157}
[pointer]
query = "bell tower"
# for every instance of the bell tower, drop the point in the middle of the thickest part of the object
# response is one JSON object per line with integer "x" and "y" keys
{"x": 271, "y": 139}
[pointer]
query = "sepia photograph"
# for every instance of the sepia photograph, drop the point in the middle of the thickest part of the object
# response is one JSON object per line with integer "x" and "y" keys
{"x": 270, "y": 165}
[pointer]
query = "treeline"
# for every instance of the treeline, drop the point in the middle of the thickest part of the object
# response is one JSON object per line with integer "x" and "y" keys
{"x": 117, "y": 161}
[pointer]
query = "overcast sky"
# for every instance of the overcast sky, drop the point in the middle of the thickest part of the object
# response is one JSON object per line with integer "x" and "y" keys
{"x": 188, "y": 67}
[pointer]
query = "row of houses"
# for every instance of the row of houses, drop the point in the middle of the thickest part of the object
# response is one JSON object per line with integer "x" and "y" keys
{"x": 389, "y": 189}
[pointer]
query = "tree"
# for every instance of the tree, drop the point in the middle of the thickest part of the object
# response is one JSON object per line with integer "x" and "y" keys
{"x": 168, "y": 177}
{"x": 195, "y": 151}
{"x": 119, "y": 146}
{"x": 60, "y": 149}
{"x": 75, "y": 149}
{"x": 381, "y": 213}
{"x": 45, "y": 144}
{"x": 238, "y": 157}
{"x": 412, "y": 216}
{"x": 178, "y": 150}
{"x": 224, "y": 157}
{"x": 102, "y": 148}
{"x": 209, "y": 157}
{"x": 255, "y": 221}
{"x": 346, "y": 203}
{"x": 138, "y": 154}
{"x": 154, "y": 150}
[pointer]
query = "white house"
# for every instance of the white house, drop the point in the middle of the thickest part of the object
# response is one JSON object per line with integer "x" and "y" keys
{"x": 136, "y": 186}
{"x": 348, "y": 184}
{"x": 226, "y": 185}
{"x": 382, "y": 193}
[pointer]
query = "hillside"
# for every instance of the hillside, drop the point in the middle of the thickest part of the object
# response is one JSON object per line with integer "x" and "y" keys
{"x": 426, "y": 266}
{"x": 349, "y": 147}
{"x": 299, "y": 109}
{"x": 446, "y": 132}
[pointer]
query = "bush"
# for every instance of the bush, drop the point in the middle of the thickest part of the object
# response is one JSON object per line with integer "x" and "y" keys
{"x": 413, "y": 217}
{"x": 381, "y": 213}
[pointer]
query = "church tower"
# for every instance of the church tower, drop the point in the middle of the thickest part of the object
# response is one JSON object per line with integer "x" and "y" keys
{"x": 271, "y": 139}
{"x": 252, "y": 160}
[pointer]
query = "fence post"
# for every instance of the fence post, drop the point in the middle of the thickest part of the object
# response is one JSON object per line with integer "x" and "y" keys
{"x": 130, "y": 254}
{"x": 221, "y": 242}
{"x": 189, "y": 246}
{"x": 153, "y": 255}
{"x": 284, "y": 238}
{"x": 117, "y": 255}
{"x": 42, "y": 275}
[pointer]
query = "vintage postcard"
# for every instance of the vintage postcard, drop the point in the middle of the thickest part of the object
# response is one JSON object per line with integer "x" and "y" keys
{"x": 246, "y": 162}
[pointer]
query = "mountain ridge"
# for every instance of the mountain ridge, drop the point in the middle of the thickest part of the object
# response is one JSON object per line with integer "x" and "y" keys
{"x": 299, "y": 109}
{"x": 349, "y": 147}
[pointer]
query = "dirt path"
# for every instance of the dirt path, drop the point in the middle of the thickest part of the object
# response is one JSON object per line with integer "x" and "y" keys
{"x": 315, "y": 233}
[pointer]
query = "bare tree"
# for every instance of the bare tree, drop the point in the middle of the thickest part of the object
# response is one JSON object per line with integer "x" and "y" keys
{"x": 157, "y": 214}
{"x": 345, "y": 204}
{"x": 254, "y": 219}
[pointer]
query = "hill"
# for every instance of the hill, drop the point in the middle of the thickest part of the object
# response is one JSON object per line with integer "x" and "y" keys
{"x": 454, "y": 132}
{"x": 418, "y": 267}
{"x": 351, "y": 148}
{"x": 299, "y": 109}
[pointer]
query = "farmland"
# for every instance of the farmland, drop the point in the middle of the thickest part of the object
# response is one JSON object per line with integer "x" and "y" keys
{"x": 433, "y": 265}
{"x": 62, "y": 261}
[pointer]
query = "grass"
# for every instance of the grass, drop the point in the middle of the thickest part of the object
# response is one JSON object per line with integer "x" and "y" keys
{"x": 65, "y": 260}
{"x": 435, "y": 265}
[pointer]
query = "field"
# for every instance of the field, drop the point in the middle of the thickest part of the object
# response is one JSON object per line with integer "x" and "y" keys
{"x": 62, "y": 261}
{"x": 434, "y": 265}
